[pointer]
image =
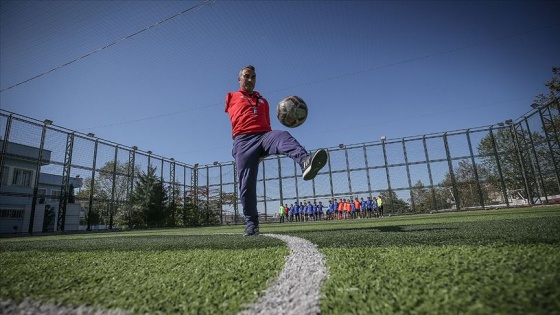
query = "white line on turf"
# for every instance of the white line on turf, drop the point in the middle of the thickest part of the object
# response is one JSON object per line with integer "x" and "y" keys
{"x": 297, "y": 289}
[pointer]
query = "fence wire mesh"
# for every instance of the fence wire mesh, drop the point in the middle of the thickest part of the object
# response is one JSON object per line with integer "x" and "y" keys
{"x": 55, "y": 179}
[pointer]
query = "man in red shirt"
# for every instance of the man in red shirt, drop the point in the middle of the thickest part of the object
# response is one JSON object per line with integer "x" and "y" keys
{"x": 254, "y": 139}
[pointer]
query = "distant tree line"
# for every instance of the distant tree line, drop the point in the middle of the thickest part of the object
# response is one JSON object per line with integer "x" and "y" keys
{"x": 152, "y": 203}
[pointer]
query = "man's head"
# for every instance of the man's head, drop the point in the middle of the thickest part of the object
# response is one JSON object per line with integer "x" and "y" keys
{"x": 247, "y": 78}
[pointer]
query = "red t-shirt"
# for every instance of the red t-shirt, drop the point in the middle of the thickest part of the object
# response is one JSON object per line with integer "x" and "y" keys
{"x": 249, "y": 113}
{"x": 356, "y": 205}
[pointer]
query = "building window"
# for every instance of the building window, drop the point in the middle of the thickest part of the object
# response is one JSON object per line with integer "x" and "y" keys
{"x": 22, "y": 177}
{"x": 55, "y": 195}
{"x": 41, "y": 195}
{"x": 4, "y": 175}
{"x": 11, "y": 213}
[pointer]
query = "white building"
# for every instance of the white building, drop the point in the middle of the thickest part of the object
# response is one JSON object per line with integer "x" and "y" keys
{"x": 16, "y": 193}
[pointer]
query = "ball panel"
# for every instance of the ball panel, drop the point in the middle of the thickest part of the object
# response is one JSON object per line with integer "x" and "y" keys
{"x": 292, "y": 111}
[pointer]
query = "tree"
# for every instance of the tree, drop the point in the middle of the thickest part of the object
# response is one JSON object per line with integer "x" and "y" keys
{"x": 467, "y": 186}
{"x": 189, "y": 213}
{"x": 522, "y": 156}
{"x": 109, "y": 178}
{"x": 553, "y": 90}
{"x": 423, "y": 200}
{"x": 150, "y": 199}
{"x": 550, "y": 105}
{"x": 203, "y": 206}
{"x": 112, "y": 183}
{"x": 392, "y": 203}
{"x": 508, "y": 165}
{"x": 91, "y": 216}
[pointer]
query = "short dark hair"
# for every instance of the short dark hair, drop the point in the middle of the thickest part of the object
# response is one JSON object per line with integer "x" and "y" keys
{"x": 246, "y": 67}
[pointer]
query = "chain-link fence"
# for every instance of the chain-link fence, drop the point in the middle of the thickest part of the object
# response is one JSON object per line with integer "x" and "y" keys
{"x": 54, "y": 179}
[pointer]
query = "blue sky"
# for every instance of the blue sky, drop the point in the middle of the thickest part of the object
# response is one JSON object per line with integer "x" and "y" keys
{"x": 365, "y": 68}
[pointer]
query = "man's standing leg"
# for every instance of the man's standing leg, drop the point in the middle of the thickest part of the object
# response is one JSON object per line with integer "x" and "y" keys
{"x": 246, "y": 154}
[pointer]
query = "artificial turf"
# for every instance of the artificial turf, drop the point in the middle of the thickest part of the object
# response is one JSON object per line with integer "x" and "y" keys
{"x": 478, "y": 262}
{"x": 496, "y": 262}
{"x": 144, "y": 274}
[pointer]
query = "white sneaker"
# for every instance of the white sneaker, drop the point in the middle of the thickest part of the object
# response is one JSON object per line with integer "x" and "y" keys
{"x": 314, "y": 164}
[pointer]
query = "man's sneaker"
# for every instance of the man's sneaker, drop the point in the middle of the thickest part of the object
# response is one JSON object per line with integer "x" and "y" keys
{"x": 251, "y": 230}
{"x": 314, "y": 164}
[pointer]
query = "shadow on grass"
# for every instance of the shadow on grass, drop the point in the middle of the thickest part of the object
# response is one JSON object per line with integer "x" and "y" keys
{"x": 410, "y": 229}
{"x": 541, "y": 230}
{"x": 372, "y": 229}
{"x": 497, "y": 232}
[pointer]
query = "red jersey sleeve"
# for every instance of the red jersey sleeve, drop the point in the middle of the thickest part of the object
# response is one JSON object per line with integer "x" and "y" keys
{"x": 228, "y": 98}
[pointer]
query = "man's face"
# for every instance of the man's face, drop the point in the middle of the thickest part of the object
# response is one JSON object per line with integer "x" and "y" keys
{"x": 247, "y": 80}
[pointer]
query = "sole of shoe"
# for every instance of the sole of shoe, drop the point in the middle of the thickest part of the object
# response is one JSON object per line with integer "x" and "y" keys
{"x": 318, "y": 161}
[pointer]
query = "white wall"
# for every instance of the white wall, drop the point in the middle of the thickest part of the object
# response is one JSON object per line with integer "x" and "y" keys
{"x": 72, "y": 222}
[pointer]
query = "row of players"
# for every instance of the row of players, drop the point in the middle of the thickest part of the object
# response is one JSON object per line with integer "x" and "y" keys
{"x": 337, "y": 209}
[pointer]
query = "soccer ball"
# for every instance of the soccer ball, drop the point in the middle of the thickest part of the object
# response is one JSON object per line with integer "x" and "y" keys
{"x": 291, "y": 111}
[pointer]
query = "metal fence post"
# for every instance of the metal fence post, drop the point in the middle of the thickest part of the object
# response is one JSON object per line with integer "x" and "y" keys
{"x": 92, "y": 185}
{"x": 348, "y": 169}
{"x": 432, "y": 188}
{"x": 235, "y": 192}
{"x": 498, "y": 165}
{"x": 173, "y": 203}
{"x": 517, "y": 146}
{"x": 5, "y": 142}
{"x": 46, "y": 123}
{"x": 412, "y": 203}
{"x": 221, "y": 195}
{"x": 367, "y": 170}
{"x": 535, "y": 166}
{"x": 389, "y": 191}
{"x": 64, "y": 189}
{"x": 130, "y": 186}
{"x": 113, "y": 188}
{"x": 207, "y": 195}
{"x": 281, "y": 192}
{"x": 553, "y": 141}
{"x": 330, "y": 174}
{"x": 475, "y": 170}
{"x": 296, "y": 181}
{"x": 456, "y": 196}
{"x": 264, "y": 189}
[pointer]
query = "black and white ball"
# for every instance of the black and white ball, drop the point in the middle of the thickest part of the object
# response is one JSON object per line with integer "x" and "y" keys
{"x": 292, "y": 111}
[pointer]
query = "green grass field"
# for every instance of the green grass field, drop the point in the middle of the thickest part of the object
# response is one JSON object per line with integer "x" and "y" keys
{"x": 478, "y": 262}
